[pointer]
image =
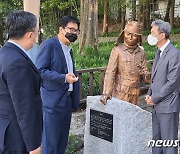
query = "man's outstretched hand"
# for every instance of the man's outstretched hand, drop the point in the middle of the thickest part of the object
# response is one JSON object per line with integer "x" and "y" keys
{"x": 71, "y": 78}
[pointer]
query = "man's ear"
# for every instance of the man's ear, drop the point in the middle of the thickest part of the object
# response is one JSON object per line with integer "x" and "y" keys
{"x": 163, "y": 35}
{"x": 60, "y": 29}
{"x": 28, "y": 35}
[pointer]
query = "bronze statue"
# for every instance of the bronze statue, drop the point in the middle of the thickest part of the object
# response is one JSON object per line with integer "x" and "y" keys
{"x": 127, "y": 64}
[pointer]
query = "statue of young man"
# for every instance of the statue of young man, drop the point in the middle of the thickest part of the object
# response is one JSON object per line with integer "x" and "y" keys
{"x": 127, "y": 65}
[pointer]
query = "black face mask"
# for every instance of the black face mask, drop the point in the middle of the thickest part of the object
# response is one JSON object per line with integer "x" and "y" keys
{"x": 71, "y": 37}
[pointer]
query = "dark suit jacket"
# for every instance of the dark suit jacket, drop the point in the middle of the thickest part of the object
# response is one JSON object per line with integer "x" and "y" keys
{"x": 20, "y": 102}
{"x": 52, "y": 64}
{"x": 164, "y": 88}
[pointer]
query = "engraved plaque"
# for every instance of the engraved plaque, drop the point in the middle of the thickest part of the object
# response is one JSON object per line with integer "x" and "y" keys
{"x": 101, "y": 125}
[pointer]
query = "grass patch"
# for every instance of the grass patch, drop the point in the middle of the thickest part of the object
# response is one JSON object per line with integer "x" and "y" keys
{"x": 144, "y": 33}
{"x": 92, "y": 59}
{"x": 74, "y": 144}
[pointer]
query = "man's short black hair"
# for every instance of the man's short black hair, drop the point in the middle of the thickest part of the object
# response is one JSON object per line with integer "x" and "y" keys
{"x": 18, "y": 23}
{"x": 67, "y": 19}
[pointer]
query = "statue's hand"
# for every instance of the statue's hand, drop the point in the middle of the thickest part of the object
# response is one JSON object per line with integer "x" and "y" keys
{"x": 104, "y": 98}
{"x": 147, "y": 78}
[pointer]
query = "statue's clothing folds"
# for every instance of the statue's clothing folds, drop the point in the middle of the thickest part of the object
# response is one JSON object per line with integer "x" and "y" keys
{"x": 126, "y": 68}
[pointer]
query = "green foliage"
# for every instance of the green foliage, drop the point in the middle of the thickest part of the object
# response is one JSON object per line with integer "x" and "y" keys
{"x": 144, "y": 33}
{"x": 111, "y": 34}
{"x": 9, "y": 5}
{"x": 149, "y": 50}
{"x": 175, "y": 30}
{"x": 92, "y": 59}
{"x": 73, "y": 144}
{"x": 52, "y": 11}
{"x": 177, "y": 45}
{"x": 56, "y": 3}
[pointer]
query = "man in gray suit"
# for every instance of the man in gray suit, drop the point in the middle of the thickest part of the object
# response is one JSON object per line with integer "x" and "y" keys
{"x": 164, "y": 94}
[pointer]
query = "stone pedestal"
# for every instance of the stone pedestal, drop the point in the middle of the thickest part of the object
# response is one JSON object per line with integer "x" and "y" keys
{"x": 131, "y": 128}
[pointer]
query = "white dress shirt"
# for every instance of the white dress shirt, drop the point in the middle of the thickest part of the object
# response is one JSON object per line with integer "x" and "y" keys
{"x": 164, "y": 46}
{"x": 66, "y": 49}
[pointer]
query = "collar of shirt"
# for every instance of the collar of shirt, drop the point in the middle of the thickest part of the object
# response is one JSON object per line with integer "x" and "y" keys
{"x": 66, "y": 50}
{"x": 65, "y": 47}
{"x": 131, "y": 50}
{"x": 164, "y": 46}
{"x": 19, "y": 47}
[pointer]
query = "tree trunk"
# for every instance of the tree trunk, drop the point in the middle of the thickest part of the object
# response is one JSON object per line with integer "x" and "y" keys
{"x": 123, "y": 15}
{"x": 143, "y": 11}
{"x": 92, "y": 24}
{"x": 172, "y": 13}
{"x": 147, "y": 14}
{"x": 119, "y": 11}
{"x": 83, "y": 25}
{"x": 140, "y": 10}
{"x": 35, "y": 9}
{"x": 89, "y": 24}
{"x": 105, "y": 21}
{"x": 166, "y": 18}
{"x": 153, "y": 9}
{"x": 133, "y": 17}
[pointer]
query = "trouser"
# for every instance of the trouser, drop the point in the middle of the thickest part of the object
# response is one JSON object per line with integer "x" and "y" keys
{"x": 56, "y": 130}
{"x": 165, "y": 127}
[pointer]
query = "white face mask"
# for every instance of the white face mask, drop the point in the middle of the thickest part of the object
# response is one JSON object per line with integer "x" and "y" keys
{"x": 152, "y": 40}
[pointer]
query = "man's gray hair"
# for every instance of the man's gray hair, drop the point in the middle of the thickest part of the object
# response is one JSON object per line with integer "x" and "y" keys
{"x": 163, "y": 27}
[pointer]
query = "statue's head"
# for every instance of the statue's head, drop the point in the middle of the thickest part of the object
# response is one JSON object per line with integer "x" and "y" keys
{"x": 132, "y": 34}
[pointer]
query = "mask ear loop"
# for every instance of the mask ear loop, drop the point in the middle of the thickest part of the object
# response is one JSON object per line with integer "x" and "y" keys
{"x": 161, "y": 38}
{"x": 164, "y": 34}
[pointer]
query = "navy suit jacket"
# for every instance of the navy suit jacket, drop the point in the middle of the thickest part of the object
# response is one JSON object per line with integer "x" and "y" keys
{"x": 20, "y": 102}
{"x": 52, "y": 64}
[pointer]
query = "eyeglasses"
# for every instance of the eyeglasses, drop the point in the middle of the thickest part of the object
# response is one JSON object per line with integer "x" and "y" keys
{"x": 72, "y": 30}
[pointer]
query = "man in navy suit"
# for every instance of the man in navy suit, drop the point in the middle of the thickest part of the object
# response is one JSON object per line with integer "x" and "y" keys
{"x": 164, "y": 91}
{"x": 59, "y": 87}
{"x": 20, "y": 102}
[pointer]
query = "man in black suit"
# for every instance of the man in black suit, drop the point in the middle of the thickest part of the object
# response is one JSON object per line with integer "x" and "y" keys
{"x": 20, "y": 102}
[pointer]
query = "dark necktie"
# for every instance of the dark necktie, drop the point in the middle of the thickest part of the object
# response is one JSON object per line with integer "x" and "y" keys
{"x": 157, "y": 56}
